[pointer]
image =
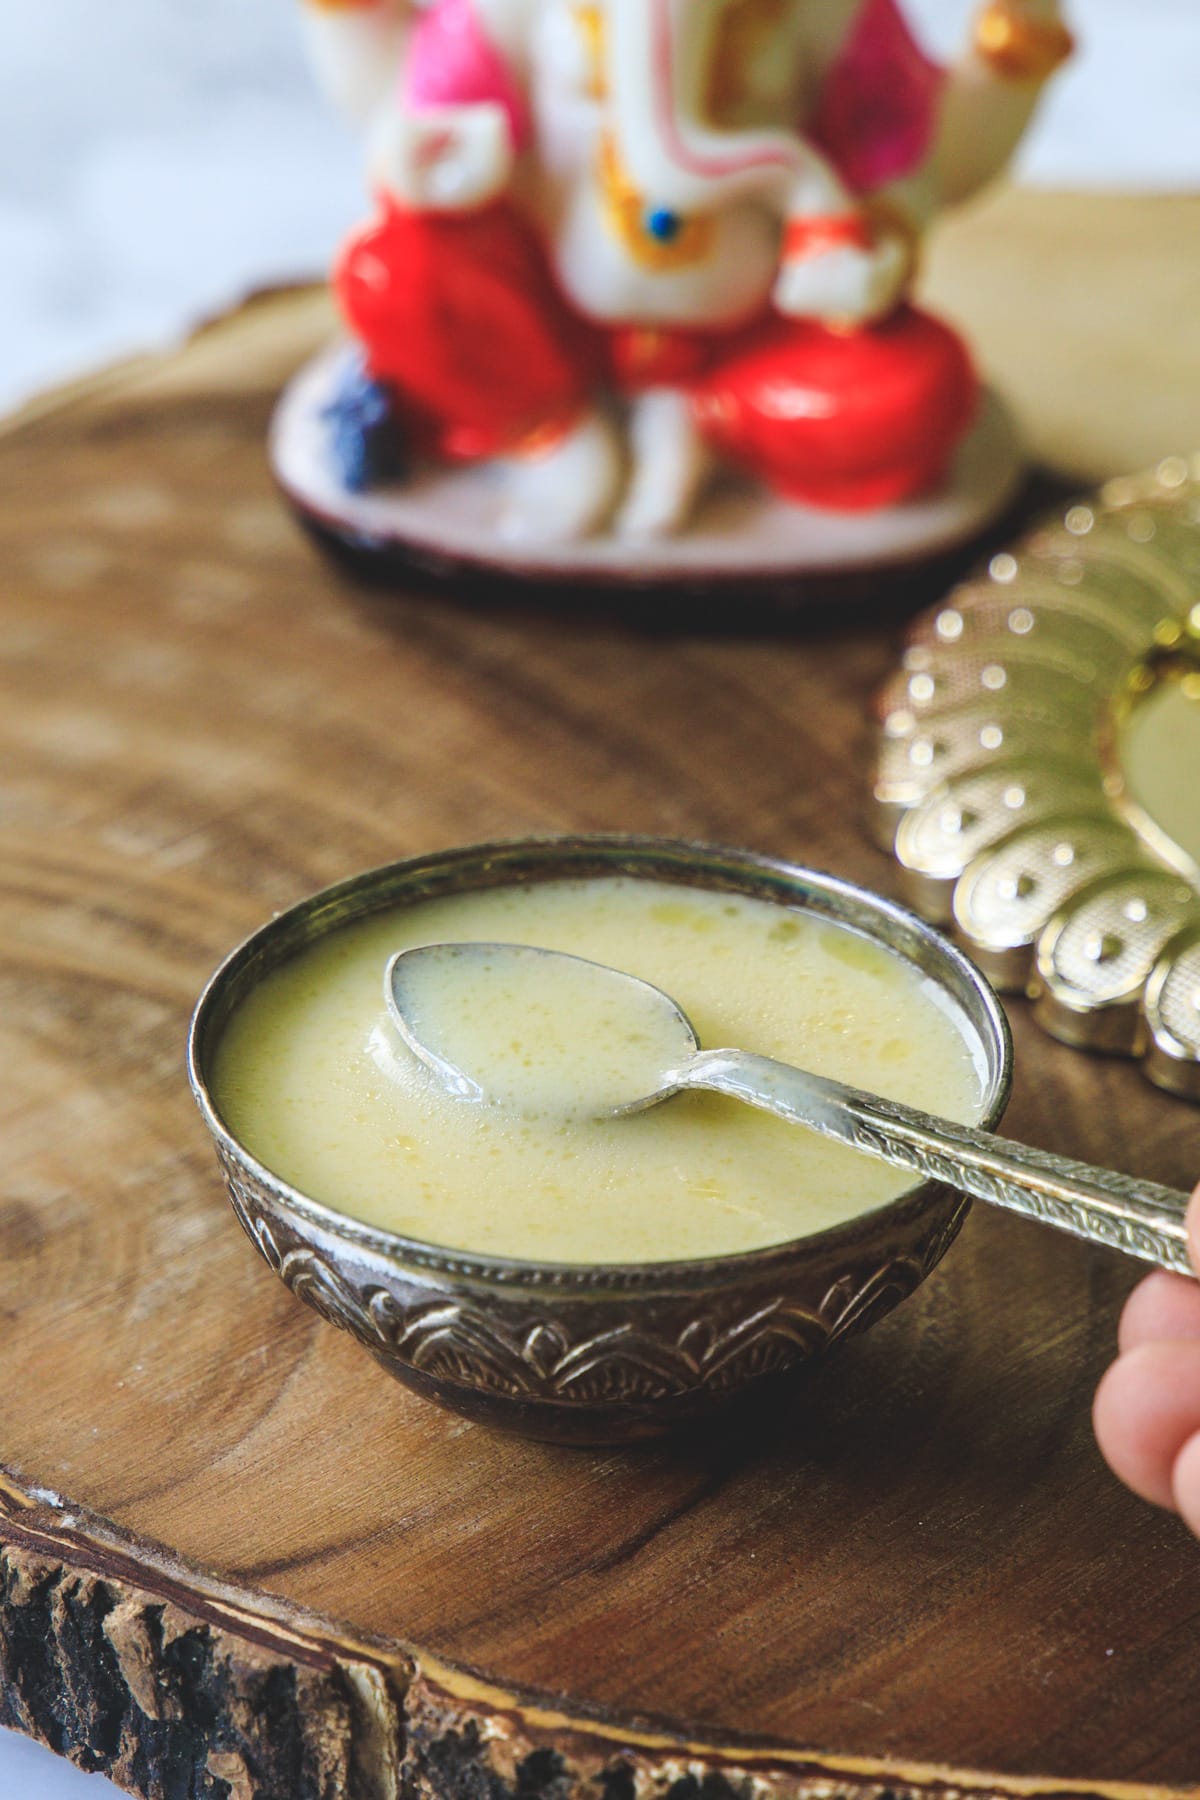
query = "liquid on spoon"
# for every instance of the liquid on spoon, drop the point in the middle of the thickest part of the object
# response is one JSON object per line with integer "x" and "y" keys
{"x": 543, "y": 1033}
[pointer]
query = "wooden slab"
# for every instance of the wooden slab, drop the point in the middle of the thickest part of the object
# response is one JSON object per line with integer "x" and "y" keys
{"x": 921, "y": 1569}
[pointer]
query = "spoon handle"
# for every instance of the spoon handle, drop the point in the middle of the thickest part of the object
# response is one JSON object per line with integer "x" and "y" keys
{"x": 1138, "y": 1217}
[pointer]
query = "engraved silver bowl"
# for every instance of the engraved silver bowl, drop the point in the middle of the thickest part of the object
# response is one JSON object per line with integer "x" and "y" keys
{"x": 593, "y": 1353}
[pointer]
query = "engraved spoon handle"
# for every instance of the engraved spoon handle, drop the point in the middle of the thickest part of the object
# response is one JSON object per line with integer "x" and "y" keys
{"x": 1138, "y": 1217}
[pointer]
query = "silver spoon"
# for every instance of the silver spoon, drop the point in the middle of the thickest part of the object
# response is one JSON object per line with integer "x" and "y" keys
{"x": 642, "y": 1048}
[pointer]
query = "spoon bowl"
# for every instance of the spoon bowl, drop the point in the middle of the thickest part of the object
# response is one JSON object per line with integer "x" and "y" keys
{"x": 590, "y": 1041}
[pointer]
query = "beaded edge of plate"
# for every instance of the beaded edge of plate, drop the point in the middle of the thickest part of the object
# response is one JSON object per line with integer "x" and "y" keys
{"x": 997, "y": 785}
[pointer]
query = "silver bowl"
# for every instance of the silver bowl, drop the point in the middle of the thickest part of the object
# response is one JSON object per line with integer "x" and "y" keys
{"x": 592, "y": 1353}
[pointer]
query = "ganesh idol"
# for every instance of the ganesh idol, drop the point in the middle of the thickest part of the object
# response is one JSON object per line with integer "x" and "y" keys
{"x": 624, "y": 247}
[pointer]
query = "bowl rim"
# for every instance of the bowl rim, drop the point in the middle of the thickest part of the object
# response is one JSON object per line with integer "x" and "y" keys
{"x": 291, "y": 930}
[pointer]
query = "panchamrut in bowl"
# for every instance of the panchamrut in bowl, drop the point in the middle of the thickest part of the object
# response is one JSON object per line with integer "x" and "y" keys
{"x": 613, "y": 1341}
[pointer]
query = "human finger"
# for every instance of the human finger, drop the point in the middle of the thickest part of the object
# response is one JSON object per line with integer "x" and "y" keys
{"x": 1146, "y": 1409}
{"x": 1161, "y": 1307}
{"x": 1185, "y": 1483}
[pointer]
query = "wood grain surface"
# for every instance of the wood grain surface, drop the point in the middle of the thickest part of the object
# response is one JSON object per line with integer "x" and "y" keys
{"x": 920, "y": 1566}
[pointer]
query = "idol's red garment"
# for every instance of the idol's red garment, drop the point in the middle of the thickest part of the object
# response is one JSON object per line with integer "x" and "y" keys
{"x": 845, "y": 420}
{"x": 461, "y": 319}
{"x": 459, "y": 315}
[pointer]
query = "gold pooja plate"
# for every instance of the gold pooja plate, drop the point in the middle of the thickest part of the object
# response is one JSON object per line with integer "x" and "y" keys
{"x": 1038, "y": 770}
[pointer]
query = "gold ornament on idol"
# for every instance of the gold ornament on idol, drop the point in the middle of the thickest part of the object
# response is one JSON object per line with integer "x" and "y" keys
{"x": 1018, "y": 47}
{"x": 593, "y": 28}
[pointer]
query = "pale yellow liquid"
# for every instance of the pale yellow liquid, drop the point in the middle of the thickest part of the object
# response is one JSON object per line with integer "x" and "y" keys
{"x": 543, "y": 1034}
{"x": 312, "y": 1077}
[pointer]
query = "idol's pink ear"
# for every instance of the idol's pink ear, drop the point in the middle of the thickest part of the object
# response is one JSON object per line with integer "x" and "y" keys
{"x": 878, "y": 110}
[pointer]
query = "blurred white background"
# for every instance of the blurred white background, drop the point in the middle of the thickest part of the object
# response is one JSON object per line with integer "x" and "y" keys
{"x": 158, "y": 159}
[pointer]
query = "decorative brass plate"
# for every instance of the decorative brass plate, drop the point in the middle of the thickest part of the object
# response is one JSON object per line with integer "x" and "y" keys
{"x": 1038, "y": 773}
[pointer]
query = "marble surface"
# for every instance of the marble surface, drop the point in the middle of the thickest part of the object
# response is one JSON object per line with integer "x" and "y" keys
{"x": 157, "y": 161}
{"x": 27, "y": 1772}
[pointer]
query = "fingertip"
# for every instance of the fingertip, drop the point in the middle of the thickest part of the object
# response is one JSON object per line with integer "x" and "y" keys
{"x": 1127, "y": 1417}
{"x": 1161, "y": 1307}
{"x": 1185, "y": 1483}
